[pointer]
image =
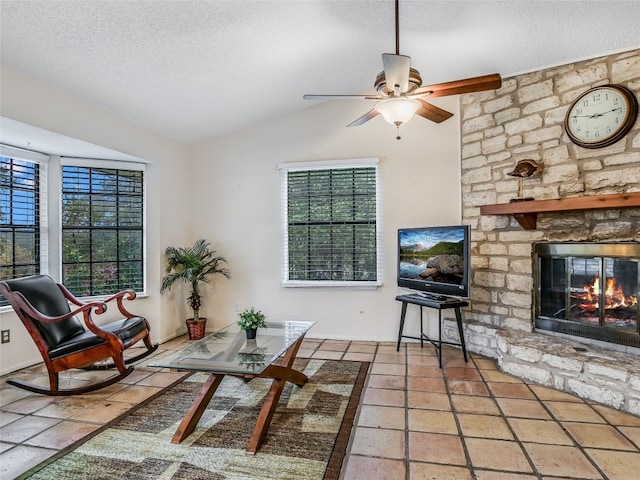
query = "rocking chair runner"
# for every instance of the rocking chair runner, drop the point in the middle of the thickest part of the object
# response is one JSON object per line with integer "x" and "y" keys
{"x": 64, "y": 343}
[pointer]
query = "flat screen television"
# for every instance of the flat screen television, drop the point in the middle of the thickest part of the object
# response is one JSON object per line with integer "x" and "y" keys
{"x": 435, "y": 259}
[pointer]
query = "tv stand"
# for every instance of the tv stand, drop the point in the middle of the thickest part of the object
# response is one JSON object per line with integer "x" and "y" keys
{"x": 424, "y": 300}
{"x": 435, "y": 297}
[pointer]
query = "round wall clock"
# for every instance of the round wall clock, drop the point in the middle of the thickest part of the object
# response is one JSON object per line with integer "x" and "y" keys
{"x": 601, "y": 116}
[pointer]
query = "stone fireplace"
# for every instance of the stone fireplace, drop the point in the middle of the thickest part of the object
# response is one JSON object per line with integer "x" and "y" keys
{"x": 588, "y": 290}
{"x": 538, "y": 342}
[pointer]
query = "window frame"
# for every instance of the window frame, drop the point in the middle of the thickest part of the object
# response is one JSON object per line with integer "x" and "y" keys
{"x": 285, "y": 168}
{"x": 42, "y": 160}
{"x": 114, "y": 165}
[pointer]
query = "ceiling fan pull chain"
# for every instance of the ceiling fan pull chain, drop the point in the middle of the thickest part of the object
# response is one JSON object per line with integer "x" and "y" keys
{"x": 398, "y": 130}
{"x": 397, "y": 30}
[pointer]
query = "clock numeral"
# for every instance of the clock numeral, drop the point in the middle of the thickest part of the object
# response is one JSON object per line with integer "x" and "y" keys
{"x": 585, "y": 103}
{"x": 596, "y": 97}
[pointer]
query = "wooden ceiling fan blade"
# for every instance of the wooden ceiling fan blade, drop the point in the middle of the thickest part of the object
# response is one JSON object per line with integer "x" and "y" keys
{"x": 457, "y": 87}
{"x": 342, "y": 97}
{"x": 364, "y": 118}
{"x": 396, "y": 71}
{"x": 433, "y": 113}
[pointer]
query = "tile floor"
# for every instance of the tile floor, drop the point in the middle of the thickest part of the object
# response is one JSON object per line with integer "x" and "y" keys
{"x": 416, "y": 421}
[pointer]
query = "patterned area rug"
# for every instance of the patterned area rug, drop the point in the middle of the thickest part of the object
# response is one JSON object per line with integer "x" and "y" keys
{"x": 307, "y": 438}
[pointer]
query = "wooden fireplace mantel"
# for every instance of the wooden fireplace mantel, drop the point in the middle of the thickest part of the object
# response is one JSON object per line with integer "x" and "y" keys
{"x": 526, "y": 213}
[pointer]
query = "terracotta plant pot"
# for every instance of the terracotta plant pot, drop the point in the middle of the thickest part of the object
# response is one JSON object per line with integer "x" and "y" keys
{"x": 196, "y": 328}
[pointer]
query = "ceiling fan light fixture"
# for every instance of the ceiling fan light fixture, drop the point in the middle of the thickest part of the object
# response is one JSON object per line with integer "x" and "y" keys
{"x": 398, "y": 110}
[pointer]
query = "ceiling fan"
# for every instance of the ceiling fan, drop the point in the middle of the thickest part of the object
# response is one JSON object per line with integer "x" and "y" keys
{"x": 401, "y": 94}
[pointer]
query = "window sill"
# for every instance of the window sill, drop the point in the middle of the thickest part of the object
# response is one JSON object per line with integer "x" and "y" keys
{"x": 331, "y": 284}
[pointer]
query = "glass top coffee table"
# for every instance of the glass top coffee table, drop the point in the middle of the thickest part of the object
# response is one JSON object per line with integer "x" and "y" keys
{"x": 228, "y": 352}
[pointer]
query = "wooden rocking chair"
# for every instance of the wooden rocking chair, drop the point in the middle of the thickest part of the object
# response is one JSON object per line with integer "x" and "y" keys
{"x": 64, "y": 343}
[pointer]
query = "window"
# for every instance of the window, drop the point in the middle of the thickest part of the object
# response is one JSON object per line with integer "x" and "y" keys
{"x": 88, "y": 231}
{"x": 102, "y": 229}
{"x": 21, "y": 217}
{"x": 331, "y": 229}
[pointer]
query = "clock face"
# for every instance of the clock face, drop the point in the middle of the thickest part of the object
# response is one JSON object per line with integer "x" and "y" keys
{"x": 601, "y": 116}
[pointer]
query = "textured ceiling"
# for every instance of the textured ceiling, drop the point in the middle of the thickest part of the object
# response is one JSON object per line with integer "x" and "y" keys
{"x": 197, "y": 69}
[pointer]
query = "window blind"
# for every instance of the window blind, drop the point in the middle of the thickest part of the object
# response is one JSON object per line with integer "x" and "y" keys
{"x": 331, "y": 225}
{"x": 102, "y": 229}
{"x": 19, "y": 217}
{"x": 22, "y": 213}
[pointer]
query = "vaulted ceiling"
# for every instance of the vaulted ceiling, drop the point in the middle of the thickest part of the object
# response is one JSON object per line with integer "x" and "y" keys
{"x": 193, "y": 70}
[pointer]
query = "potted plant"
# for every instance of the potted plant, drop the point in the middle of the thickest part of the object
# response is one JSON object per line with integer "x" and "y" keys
{"x": 250, "y": 320}
{"x": 194, "y": 265}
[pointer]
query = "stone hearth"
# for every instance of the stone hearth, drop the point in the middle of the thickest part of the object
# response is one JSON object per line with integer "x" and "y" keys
{"x": 590, "y": 371}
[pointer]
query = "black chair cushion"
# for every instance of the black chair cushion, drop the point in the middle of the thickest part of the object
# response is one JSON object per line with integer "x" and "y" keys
{"x": 126, "y": 329}
{"x": 45, "y": 296}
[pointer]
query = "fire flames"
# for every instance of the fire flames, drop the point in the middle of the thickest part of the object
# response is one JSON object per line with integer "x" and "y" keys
{"x": 614, "y": 296}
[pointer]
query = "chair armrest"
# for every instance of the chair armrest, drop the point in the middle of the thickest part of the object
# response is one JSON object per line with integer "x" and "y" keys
{"x": 128, "y": 294}
{"x": 24, "y": 305}
{"x": 71, "y": 297}
{"x": 84, "y": 308}
{"x": 125, "y": 294}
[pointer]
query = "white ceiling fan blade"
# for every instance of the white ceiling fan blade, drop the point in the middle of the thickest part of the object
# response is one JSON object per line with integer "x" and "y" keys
{"x": 364, "y": 118}
{"x": 396, "y": 71}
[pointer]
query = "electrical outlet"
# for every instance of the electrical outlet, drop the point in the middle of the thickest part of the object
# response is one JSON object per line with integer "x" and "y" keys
{"x": 5, "y": 336}
{"x": 236, "y": 305}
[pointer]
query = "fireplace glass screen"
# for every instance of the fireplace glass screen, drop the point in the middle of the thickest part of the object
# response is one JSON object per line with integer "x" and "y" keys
{"x": 589, "y": 290}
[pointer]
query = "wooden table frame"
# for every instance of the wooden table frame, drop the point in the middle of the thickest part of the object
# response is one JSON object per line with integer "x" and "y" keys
{"x": 281, "y": 374}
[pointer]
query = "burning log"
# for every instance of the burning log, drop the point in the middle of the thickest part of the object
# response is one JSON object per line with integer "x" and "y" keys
{"x": 614, "y": 296}
{"x": 619, "y": 309}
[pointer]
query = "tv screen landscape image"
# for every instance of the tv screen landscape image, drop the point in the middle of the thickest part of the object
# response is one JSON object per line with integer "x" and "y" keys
{"x": 435, "y": 259}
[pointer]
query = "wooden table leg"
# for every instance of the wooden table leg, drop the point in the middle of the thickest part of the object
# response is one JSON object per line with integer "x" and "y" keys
{"x": 192, "y": 417}
{"x": 280, "y": 375}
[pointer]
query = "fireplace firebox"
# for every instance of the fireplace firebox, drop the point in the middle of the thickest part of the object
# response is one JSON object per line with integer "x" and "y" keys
{"x": 589, "y": 290}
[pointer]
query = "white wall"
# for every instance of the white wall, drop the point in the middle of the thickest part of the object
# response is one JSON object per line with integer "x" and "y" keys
{"x": 230, "y": 194}
{"x": 25, "y": 99}
{"x": 239, "y": 210}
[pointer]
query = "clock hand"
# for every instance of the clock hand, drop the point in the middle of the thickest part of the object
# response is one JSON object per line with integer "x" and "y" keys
{"x": 595, "y": 115}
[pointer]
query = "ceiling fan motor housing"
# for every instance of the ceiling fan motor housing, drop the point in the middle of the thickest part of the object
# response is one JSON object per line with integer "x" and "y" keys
{"x": 415, "y": 80}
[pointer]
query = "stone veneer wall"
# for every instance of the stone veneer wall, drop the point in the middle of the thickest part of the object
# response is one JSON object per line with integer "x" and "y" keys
{"x": 524, "y": 119}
